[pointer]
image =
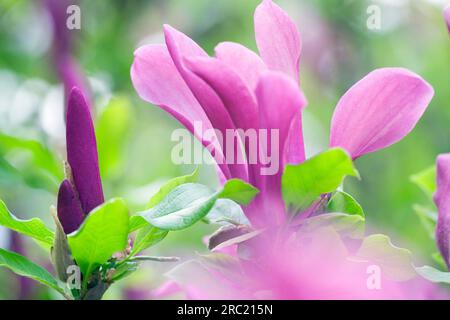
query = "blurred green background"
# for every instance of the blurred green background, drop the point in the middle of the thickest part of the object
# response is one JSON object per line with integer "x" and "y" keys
{"x": 134, "y": 137}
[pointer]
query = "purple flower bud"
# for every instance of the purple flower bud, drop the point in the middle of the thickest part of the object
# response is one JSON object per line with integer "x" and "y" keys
{"x": 70, "y": 213}
{"x": 82, "y": 152}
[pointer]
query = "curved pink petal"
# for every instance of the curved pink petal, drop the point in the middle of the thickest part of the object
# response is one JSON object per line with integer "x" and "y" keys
{"x": 235, "y": 95}
{"x": 180, "y": 48}
{"x": 82, "y": 152}
{"x": 379, "y": 110}
{"x": 280, "y": 100}
{"x": 442, "y": 200}
{"x": 278, "y": 39}
{"x": 247, "y": 64}
{"x": 157, "y": 80}
{"x": 294, "y": 151}
{"x": 447, "y": 17}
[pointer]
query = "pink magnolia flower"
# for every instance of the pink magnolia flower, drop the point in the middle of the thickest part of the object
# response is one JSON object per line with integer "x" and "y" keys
{"x": 238, "y": 89}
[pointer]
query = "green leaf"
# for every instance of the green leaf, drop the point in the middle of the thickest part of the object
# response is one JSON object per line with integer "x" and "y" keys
{"x": 26, "y": 268}
{"x": 238, "y": 191}
{"x": 226, "y": 211}
{"x": 428, "y": 218}
{"x": 304, "y": 183}
{"x": 33, "y": 228}
{"x": 344, "y": 203}
{"x": 111, "y": 129}
{"x": 182, "y": 207}
{"x": 433, "y": 275}
{"x": 147, "y": 237}
{"x": 395, "y": 262}
{"x": 426, "y": 180}
{"x": 103, "y": 233}
{"x": 172, "y": 184}
{"x": 137, "y": 222}
{"x": 345, "y": 224}
{"x": 30, "y": 161}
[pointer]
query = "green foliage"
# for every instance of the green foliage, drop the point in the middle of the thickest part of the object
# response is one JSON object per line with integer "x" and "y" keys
{"x": 433, "y": 275}
{"x": 344, "y": 203}
{"x": 26, "y": 268}
{"x": 238, "y": 191}
{"x": 426, "y": 180}
{"x": 33, "y": 228}
{"x": 111, "y": 129}
{"x": 170, "y": 185}
{"x": 29, "y": 161}
{"x": 191, "y": 202}
{"x": 103, "y": 233}
{"x": 147, "y": 237}
{"x": 304, "y": 183}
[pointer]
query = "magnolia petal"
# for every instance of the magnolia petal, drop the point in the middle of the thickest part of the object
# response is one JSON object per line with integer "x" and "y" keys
{"x": 442, "y": 200}
{"x": 157, "y": 81}
{"x": 447, "y": 17}
{"x": 294, "y": 150}
{"x": 247, "y": 64}
{"x": 379, "y": 110}
{"x": 233, "y": 92}
{"x": 82, "y": 152}
{"x": 278, "y": 39}
{"x": 69, "y": 210}
{"x": 180, "y": 48}
{"x": 280, "y": 101}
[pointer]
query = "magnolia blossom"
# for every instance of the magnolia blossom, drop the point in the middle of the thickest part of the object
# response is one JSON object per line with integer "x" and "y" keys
{"x": 82, "y": 190}
{"x": 238, "y": 89}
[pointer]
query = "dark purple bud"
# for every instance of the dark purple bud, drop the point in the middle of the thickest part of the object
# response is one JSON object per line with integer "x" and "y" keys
{"x": 82, "y": 152}
{"x": 69, "y": 209}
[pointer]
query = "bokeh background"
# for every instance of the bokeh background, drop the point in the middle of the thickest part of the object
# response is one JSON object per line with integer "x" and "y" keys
{"x": 134, "y": 137}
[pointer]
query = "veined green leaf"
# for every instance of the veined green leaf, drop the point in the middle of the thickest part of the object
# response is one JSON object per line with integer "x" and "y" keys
{"x": 103, "y": 233}
{"x": 170, "y": 185}
{"x": 26, "y": 268}
{"x": 344, "y": 203}
{"x": 304, "y": 183}
{"x": 183, "y": 206}
{"x": 33, "y": 228}
{"x": 227, "y": 211}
